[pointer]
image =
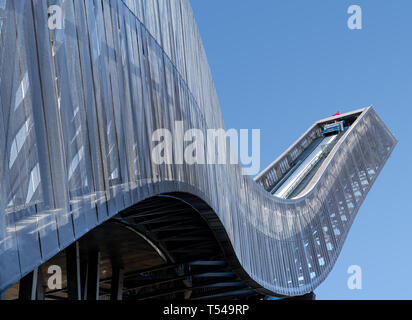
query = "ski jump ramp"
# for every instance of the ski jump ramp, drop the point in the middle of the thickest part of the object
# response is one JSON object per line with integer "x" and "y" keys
{"x": 78, "y": 105}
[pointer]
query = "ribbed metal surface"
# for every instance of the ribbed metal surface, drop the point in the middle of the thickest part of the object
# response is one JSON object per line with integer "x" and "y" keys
{"x": 77, "y": 109}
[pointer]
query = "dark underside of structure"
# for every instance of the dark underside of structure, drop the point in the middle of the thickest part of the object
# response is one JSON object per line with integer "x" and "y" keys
{"x": 167, "y": 247}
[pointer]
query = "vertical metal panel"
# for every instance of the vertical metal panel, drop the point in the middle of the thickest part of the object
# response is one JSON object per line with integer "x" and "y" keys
{"x": 9, "y": 259}
{"x": 78, "y": 107}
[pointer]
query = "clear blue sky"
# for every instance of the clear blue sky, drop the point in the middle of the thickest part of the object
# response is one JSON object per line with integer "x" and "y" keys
{"x": 281, "y": 65}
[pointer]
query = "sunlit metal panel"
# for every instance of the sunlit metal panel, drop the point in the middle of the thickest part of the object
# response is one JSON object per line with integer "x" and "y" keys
{"x": 78, "y": 106}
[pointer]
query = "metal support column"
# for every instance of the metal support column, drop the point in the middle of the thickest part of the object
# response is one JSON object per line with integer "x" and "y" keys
{"x": 83, "y": 278}
{"x": 28, "y": 286}
{"x": 117, "y": 283}
{"x": 73, "y": 272}
{"x": 93, "y": 275}
{"x": 39, "y": 286}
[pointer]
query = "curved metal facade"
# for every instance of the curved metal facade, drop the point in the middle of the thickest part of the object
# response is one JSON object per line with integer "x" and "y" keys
{"x": 77, "y": 109}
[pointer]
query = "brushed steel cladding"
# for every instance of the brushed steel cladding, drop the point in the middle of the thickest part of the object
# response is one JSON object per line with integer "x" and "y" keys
{"x": 78, "y": 106}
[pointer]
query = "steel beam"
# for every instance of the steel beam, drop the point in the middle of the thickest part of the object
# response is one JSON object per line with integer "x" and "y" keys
{"x": 117, "y": 283}
{"x": 73, "y": 272}
{"x": 28, "y": 286}
{"x": 93, "y": 275}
